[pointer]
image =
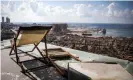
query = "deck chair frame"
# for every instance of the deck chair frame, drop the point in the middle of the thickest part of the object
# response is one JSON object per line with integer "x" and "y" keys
{"x": 49, "y": 60}
{"x": 14, "y": 46}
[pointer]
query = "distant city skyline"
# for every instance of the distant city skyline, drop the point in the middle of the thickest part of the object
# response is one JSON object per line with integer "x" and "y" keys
{"x": 5, "y": 19}
{"x": 68, "y": 11}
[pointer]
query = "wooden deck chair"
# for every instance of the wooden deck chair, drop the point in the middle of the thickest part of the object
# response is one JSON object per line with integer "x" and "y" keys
{"x": 29, "y": 35}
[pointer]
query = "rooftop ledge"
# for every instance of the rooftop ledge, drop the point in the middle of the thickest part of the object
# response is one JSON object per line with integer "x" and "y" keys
{"x": 84, "y": 56}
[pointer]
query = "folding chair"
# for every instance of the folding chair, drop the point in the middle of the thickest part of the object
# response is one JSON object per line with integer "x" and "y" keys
{"x": 29, "y": 35}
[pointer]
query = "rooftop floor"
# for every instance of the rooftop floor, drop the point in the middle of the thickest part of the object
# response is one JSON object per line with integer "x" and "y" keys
{"x": 10, "y": 70}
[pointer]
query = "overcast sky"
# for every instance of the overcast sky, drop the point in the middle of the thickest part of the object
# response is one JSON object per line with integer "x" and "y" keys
{"x": 68, "y": 11}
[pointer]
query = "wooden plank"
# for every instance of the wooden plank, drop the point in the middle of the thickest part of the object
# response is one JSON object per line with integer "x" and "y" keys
{"x": 61, "y": 52}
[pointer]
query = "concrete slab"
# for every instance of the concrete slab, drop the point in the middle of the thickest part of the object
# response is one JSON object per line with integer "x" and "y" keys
{"x": 99, "y": 71}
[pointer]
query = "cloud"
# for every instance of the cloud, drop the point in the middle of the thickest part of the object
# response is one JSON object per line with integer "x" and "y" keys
{"x": 115, "y": 11}
{"x": 24, "y": 13}
{"x": 112, "y": 9}
{"x": 39, "y": 11}
{"x": 34, "y": 6}
{"x": 127, "y": 13}
{"x": 82, "y": 9}
{"x": 5, "y": 10}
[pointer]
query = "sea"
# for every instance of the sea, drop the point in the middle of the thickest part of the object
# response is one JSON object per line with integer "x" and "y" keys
{"x": 114, "y": 30}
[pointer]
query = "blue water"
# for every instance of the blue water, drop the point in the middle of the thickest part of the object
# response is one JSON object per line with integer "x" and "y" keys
{"x": 116, "y": 33}
{"x": 114, "y": 30}
{"x": 120, "y": 32}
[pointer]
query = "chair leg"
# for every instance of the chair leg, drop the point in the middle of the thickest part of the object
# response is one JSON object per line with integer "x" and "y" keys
{"x": 39, "y": 52}
{"x": 11, "y": 50}
{"x": 45, "y": 41}
{"x": 17, "y": 58}
{"x": 49, "y": 59}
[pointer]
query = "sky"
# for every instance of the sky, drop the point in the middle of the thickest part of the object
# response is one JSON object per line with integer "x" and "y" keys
{"x": 68, "y": 11}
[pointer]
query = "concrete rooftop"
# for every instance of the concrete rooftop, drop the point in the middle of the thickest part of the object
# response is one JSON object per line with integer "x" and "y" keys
{"x": 10, "y": 70}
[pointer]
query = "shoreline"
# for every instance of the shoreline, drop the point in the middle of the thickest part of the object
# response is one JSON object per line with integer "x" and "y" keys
{"x": 98, "y": 32}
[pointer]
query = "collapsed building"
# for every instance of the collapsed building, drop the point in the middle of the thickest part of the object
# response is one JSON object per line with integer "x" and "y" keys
{"x": 59, "y": 29}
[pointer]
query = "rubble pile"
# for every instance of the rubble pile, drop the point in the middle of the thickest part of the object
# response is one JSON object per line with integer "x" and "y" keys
{"x": 120, "y": 47}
